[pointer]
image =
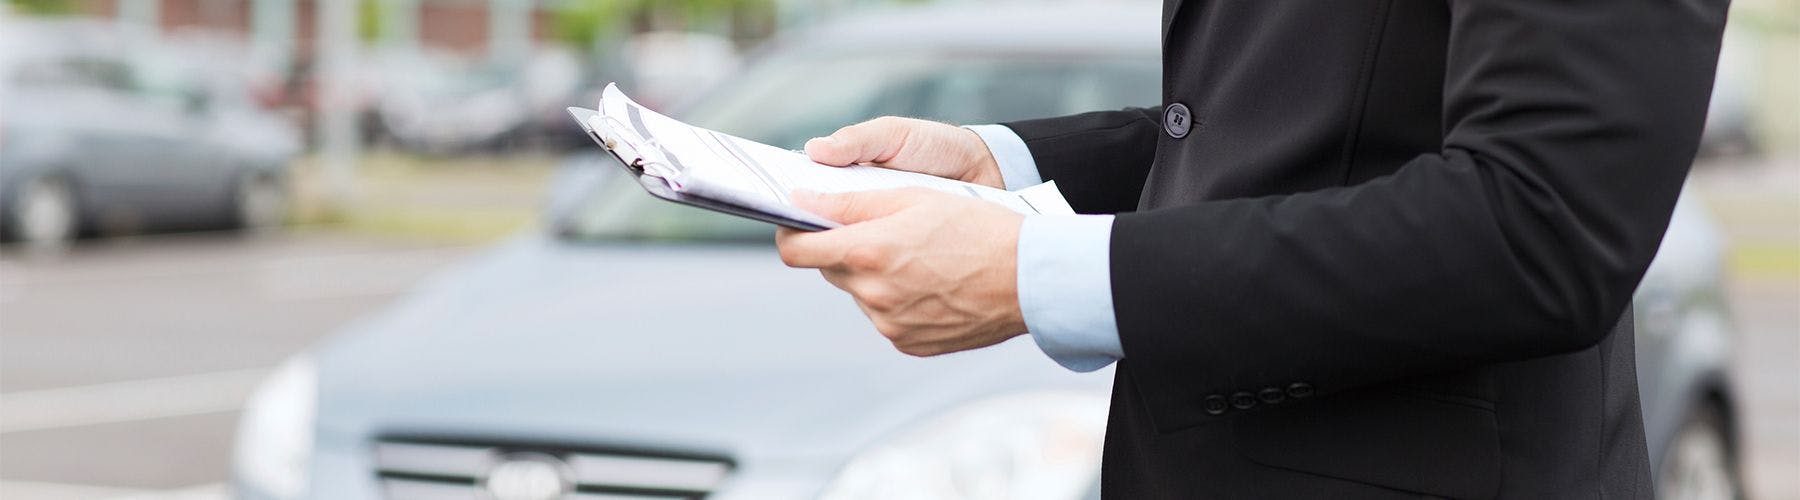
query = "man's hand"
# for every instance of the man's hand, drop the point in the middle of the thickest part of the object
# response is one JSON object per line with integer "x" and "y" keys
{"x": 935, "y": 272}
{"x": 912, "y": 145}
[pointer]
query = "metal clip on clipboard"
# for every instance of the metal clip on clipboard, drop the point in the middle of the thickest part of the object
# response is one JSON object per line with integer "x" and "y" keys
{"x": 641, "y": 154}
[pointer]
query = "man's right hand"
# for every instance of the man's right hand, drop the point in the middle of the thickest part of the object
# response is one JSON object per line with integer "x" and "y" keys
{"x": 912, "y": 145}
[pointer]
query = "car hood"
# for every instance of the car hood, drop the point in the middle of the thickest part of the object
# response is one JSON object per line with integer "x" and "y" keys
{"x": 696, "y": 348}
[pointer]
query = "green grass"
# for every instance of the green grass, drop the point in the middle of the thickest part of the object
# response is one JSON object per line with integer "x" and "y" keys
{"x": 1767, "y": 262}
{"x": 463, "y": 200}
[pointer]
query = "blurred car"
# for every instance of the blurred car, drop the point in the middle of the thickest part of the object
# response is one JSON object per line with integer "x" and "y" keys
{"x": 104, "y": 128}
{"x": 673, "y": 66}
{"x": 640, "y": 349}
{"x": 1731, "y": 114}
{"x": 438, "y": 104}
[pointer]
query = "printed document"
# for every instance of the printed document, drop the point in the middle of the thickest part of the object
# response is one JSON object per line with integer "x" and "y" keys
{"x": 709, "y": 164}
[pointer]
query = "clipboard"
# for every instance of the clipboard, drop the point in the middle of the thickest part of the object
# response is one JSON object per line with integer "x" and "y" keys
{"x": 633, "y": 155}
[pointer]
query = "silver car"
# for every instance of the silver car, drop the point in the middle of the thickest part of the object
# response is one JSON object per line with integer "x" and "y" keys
{"x": 640, "y": 349}
{"x": 105, "y": 128}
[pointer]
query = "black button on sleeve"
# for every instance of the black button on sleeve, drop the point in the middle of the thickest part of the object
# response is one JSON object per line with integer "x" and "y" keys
{"x": 1271, "y": 395}
{"x": 1243, "y": 400}
{"x": 1215, "y": 405}
{"x": 1299, "y": 390}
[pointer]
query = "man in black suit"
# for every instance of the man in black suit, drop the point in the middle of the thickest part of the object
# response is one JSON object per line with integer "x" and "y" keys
{"x": 1363, "y": 249}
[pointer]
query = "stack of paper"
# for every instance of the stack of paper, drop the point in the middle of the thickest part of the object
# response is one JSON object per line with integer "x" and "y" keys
{"x": 718, "y": 171}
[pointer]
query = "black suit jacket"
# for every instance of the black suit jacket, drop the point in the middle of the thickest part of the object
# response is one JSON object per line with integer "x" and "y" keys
{"x": 1393, "y": 255}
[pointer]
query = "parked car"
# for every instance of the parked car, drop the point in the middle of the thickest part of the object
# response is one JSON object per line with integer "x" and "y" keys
{"x": 106, "y": 128}
{"x": 439, "y": 104}
{"x": 640, "y": 348}
{"x": 1732, "y": 113}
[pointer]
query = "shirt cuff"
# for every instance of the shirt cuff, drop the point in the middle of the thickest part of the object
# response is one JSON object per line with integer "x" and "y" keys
{"x": 1065, "y": 289}
{"x": 1017, "y": 169}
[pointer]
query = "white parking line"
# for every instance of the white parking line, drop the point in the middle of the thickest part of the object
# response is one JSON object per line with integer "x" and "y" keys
{"x": 17, "y": 273}
{"x": 59, "y": 491}
{"x": 214, "y": 491}
{"x": 38, "y": 490}
{"x": 126, "y": 401}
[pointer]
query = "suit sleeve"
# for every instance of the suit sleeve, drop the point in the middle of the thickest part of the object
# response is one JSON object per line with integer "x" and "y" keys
{"x": 1569, "y": 126}
{"x": 1100, "y": 159}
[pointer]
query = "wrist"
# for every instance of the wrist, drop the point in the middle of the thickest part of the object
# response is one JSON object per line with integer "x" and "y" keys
{"x": 983, "y": 168}
{"x": 1007, "y": 253}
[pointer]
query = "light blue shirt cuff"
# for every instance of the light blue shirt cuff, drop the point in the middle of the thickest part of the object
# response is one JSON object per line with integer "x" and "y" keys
{"x": 1017, "y": 169}
{"x": 1065, "y": 288}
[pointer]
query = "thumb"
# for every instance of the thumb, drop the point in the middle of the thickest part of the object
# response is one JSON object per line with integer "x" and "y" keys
{"x": 857, "y": 206}
{"x": 873, "y": 141}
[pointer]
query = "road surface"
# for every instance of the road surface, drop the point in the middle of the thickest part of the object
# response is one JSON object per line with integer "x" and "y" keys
{"x": 123, "y": 363}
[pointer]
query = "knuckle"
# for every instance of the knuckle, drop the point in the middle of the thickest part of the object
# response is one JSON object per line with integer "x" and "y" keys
{"x": 916, "y": 350}
{"x": 890, "y": 330}
{"x": 880, "y": 299}
{"x": 867, "y": 257}
{"x": 789, "y": 256}
{"x": 846, "y": 205}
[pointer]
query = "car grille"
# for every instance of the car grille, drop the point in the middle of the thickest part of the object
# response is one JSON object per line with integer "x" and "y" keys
{"x": 430, "y": 470}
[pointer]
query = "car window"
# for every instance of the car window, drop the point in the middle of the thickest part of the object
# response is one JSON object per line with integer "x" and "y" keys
{"x": 1010, "y": 90}
{"x": 164, "y": 78}
{"x": 787, "y": 101}
{"x": 73, "y": 71}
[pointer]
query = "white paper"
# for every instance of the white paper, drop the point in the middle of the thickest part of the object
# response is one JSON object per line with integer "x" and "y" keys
{"x": 715, "y": 165}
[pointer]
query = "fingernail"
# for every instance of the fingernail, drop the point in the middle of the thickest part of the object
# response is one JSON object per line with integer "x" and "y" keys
{"x": 803, "y": 195}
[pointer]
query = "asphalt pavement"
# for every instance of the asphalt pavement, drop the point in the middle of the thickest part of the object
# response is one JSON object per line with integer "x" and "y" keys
{"x": 123, "y": 363}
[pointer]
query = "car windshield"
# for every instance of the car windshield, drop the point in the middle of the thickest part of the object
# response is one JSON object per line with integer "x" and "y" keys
{"x": 786, "y": 101}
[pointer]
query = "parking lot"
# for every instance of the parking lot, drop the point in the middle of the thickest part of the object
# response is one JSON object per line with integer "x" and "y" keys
{"x": 123, "y": 363}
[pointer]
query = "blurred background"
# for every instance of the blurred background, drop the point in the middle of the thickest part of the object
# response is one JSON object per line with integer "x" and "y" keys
{"x": 356, "y": 249}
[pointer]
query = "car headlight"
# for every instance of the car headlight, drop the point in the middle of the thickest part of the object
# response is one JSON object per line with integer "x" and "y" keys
{"x": 1039, "y": 445}
{"x": 275, "y": 434}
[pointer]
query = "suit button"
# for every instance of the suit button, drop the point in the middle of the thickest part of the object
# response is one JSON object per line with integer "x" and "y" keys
{"x": 1215, "y": 405}
{"x": 1243, "y": 401}
{"x": 1271, "y": 395}
{"x": 1299, "y": 390}
{"x": 1177, "y": 120}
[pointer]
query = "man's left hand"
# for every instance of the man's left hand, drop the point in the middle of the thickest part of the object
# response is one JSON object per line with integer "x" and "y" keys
{"x": 935, "y": 272}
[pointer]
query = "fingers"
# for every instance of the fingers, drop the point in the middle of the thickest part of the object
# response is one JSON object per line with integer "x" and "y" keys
{"x": 859, "y": 206}
{"x": 873, "y": 141}
{"x": 856, "y": 244}
{"x": 812, "y": 250}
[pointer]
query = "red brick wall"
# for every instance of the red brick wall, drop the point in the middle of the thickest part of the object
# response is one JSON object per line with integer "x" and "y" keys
{"x": 224, "y": 15}
{"x": 455, "y": 25}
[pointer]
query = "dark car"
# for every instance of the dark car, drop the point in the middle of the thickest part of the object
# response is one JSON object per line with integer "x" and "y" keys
{"x": 105, "y": 128}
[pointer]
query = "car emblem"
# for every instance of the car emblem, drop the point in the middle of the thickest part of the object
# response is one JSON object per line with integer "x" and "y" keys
{"x": 528, "y": 476}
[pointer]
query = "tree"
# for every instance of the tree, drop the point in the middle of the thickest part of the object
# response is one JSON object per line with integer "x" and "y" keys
{"x": 42, "y": 7}
{"x": 582, "y": 23}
